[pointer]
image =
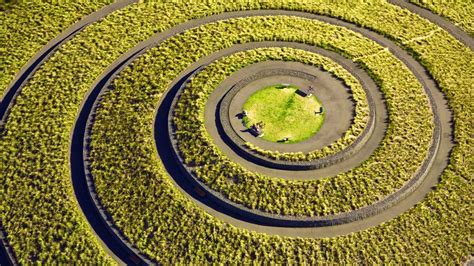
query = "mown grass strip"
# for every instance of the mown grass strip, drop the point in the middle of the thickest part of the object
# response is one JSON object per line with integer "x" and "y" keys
{"x": 284, "y": 113}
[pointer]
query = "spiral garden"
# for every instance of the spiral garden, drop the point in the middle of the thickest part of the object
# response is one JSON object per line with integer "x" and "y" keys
{"x": 133, "y": 132}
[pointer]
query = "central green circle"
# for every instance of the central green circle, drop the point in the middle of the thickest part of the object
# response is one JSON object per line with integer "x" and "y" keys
{"x": 289, "y": 114}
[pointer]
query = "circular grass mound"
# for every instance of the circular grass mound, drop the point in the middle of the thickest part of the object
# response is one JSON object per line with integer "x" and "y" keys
{"x": 288, "y": 114}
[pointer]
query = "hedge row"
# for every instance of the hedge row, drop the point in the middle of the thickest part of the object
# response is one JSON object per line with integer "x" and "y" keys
{"x": 28, "y": 26}
{"x": 154, "y": 214}
{"x": 127, "y": 112}
{"x": 409, "y": 117}
{"x": 202, "y": 85}
{"x": 419, "y": 235}
{"x": 460, "y": 12}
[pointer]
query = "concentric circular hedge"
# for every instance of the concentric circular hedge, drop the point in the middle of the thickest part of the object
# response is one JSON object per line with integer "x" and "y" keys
{"x": 204, "y": 83}
{"x": 362, "y": 186}
{"x": 112, "y": 149}
{"x": 209, "y": 78}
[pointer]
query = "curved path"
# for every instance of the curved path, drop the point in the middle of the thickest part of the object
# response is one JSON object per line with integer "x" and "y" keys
{"x": 14, "y": 89}
{"x": 27, "y": 71}
{"x": 225, "y": 137}
{"x": 307, "y": 232}
{"x": 442, "y": 22}
{"x": 433, "y": 174}
{"x": 260, "y": 217}
{"x": 334, "y": 96}
{"x": 7, "y": 256}
{"x": 418, "y": 70}
{"x": 84, "y": 186}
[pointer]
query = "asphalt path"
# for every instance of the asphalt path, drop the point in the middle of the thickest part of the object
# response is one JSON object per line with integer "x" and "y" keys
{"x": 335, "y": 123}
{"x": 430, "y": 180}
{"x": 245, "y": 222}
{"x": 444, "y": 23}
{"x": 27, "y": 71}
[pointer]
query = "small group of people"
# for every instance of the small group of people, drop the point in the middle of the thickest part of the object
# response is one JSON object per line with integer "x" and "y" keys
{"x": 310, "y": 91}
{"x": 257, "y": 129}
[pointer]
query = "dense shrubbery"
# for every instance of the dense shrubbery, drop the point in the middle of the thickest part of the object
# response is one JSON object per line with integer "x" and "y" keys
{"x": 206, "y": 81}
{"x": 398, "y": 240}
{"x": 393, "y": 164}
{"x": 137, "y": 191}
{"x": 460, "y": 12}
{"x": 27, "y": 26}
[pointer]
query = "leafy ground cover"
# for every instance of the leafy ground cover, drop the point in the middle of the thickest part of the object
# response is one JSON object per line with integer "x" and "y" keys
{"x": 285, "y": 113}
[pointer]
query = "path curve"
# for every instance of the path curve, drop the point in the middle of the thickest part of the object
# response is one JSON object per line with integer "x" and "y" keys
{"x": 374, "y": 130}
{"x": 8, "y": 101}
{"x": 348, "y": 163}
{"x": 13, "y": 90}
{"x": 442, "y": 22}
{"x": 83, "y": 183}
{"x": 289, "y": 231}
{"x": 332, "y": 96}
{"x": 164, "y": 137}
{"x": 421, "y": 75}
{"x": 26, "y": 72}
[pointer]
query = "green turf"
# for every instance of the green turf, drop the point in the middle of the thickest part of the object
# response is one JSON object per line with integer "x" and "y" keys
{"x": 285, "y": 113}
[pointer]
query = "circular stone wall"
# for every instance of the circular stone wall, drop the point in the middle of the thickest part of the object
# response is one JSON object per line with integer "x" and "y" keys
{"x": 230, "y": 94}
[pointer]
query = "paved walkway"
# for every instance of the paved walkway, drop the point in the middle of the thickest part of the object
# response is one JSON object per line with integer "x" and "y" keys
{"x": 450, "y": 27}
{"x": 332, "y": 93}
{"x": 353, "y": 161}
{"x": 105, "y": 236}
{"x": 430, "y": 181}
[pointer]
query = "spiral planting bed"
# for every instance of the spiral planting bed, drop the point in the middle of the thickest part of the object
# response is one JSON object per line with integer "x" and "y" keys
{"x": 123, "y": 139}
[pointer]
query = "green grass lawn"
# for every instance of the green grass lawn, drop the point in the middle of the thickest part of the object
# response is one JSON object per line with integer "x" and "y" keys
{"x": 286, "y": 113}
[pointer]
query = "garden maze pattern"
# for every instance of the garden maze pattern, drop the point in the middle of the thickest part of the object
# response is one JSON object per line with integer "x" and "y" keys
{"x": 117, "y": 143}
